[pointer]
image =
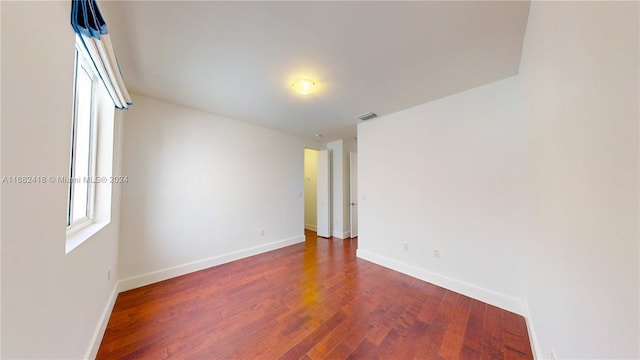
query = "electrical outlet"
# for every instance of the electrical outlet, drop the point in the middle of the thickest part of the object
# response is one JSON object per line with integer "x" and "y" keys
{"x": 405, "y": 246}
{"x": 108, "y": 275}
{"x": 553, "y": 355}
{"x": 262, "y": 232}
{"x": 436, "y": 253}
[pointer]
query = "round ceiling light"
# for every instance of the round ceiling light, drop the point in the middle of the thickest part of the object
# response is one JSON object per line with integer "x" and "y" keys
{"x": 303, "y": 86}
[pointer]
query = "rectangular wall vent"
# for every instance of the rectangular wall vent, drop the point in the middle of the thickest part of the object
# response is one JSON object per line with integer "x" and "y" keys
{"x": 367, "y": 116}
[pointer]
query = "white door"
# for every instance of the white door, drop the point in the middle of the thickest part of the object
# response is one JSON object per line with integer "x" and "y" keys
{"x": 324, "y": 202}
{"x": 353, "y": 193}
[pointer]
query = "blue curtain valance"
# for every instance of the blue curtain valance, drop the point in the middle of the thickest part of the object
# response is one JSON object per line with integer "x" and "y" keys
{"x": 88, "y": 23}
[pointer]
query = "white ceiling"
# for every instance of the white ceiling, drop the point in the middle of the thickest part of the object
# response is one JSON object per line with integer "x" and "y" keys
{"x": 237, "y": 59}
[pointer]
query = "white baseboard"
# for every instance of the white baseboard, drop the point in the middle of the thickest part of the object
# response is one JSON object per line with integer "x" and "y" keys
{"x": 96, "y": 339}
{"x": 311, "y": 227}
{"x": 160, "y": 275}
{"x": 341, "y": 235}
{"x": 488, "y": 296}
{"x": 494, "y": 298}
{"x": 535, "y": 348}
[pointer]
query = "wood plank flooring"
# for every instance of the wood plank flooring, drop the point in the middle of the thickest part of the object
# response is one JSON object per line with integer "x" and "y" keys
{"x": 314, "y": 300}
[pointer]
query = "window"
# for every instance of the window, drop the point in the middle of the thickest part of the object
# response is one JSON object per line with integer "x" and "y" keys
{"x": 80, "y": 206}
{"x": 93, "y": 145}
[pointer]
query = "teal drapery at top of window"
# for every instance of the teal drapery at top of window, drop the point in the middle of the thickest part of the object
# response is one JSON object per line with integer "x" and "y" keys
{"x": 88, "y": 23}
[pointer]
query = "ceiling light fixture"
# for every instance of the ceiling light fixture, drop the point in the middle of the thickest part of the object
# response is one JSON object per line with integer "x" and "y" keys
{"x": 303, "y": 86}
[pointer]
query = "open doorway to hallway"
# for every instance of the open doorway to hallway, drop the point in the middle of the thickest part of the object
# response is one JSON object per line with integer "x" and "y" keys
{"x": 317, "y": 167}
{"x": 310, "y": 189}
{"x": 330, "y": 188}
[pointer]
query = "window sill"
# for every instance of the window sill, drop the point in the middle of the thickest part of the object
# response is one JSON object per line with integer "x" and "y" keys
{"x": 75, "y": 238}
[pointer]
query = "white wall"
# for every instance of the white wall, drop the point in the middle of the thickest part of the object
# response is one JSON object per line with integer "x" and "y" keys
{"x": 310, "y": 189}
{"x": 52, "y": 303}
{"x": 201, "y": 190}
{"x": 536, "y": 210}
{"x": 448, "y": 174}
{"x": 580, "y": 68}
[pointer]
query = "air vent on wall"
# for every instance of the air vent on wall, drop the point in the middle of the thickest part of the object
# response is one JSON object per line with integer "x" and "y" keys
{"x": 367, "y": 116}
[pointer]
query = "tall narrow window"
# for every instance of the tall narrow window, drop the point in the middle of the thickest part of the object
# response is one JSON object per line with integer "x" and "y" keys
{"x": 83, "y": 144}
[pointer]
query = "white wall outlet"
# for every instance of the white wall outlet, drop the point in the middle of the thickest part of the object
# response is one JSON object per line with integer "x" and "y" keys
{"x": 261, "y": 232}
{"x": 553, "y": 355}
{"x": 108, "y": 275}
{"x": 436, "y": 253}
{"x": 405, "y": 246}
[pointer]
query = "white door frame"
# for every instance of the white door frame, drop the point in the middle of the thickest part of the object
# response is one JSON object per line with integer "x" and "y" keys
{"x": 324, "y": 193}
{"x": 353, "y": 194}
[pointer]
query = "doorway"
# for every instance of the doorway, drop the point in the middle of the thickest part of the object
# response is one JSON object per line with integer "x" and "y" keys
{"x": 310, "y": 189}
{"x": 317, "y": 191}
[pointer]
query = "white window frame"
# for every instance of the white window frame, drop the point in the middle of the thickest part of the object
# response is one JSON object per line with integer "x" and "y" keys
{"x": 105, "y": 130}
{"x": 82, "y": 63}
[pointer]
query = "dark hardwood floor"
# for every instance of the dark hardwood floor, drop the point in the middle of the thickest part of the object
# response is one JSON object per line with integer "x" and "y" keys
{"x": 308, "y": 301}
